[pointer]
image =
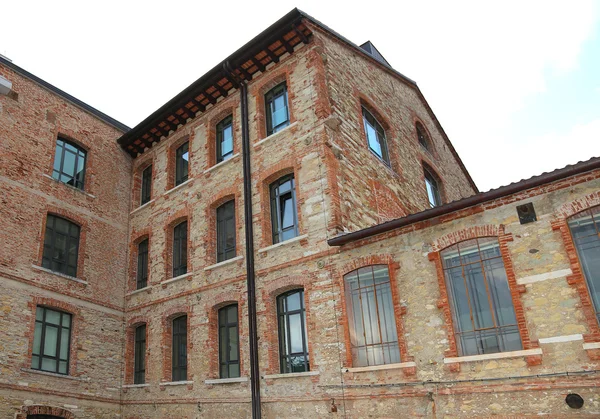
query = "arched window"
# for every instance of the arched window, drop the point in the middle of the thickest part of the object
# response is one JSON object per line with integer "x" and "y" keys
{"x": 61, "y": 245}
{"x": 180, "y": 249}
{"x": 371, "y": 317}
{"x": 284, "y": 218}
{"x": 69, "y": 163}
{"x": 293, "y": 339}
{"x": 422, "y": 136}
{"x": 226, "y": 231}
{"x": 229, "y": 344}
{"x": 142, "y": 265}
{"x": 225, "y": 139}
{"x": 139, "y": 355}
{"x": 480, "y": 298}
{"x": 585, "y": 230}
{"x": 375, "y": 136}
{"x": 432, "y": 185}
{"x": 179, "y": 349}
{"x": 278, "y": 115}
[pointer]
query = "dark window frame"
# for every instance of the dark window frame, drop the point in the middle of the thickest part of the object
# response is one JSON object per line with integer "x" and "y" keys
{"x": 142, "y": 264}
{"x": 226, "y": 123}
{"x": 284, "y": 333}
{"x": 381, "y": 139}
{"x": 182, "y": 166}
{"x": 469, "y": 261}
{"x": 380, "y": 347}
{"x": 179, "y": 348}
{"x": 180, "y": 248}
{"x": 146, "y": 189}
{"x": 139, "y": 354}
{"x": 276, "y": 198}
{"x": 226, "y": 225}
{"x": 59, "y": 344}
{"x": 77, "y": 178}
{"x": 433, "y": 182}
{"x": 225, "y": 344}
{"x": 49, "y": 260}
{"x": 423, "y": 137}
{"x": 270, "y": 97}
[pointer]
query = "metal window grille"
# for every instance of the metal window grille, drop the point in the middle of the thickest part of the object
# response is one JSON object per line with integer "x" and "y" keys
{"x": 69, "y": 163}
{"x": 293, "y": 339}
{"x": 480, "y": 298}
{"x": 180, "y": 249}
{"x": 585, "y": 230}
{"x": 375, "y": 136}
{"x": 276, "y": 102}
{"x": 139, "y": 355}
{"x": 225, "y": 139}
{"x": 284, "y": 216}
{"x": 51, "y": 341}
{"x": 229, "y": 346}
{"x": 61, "y": 245}
{"x": 142, "y": 265}
{"x": 181, "y": 164}
{"x": 146, "y": 185}
{"x": 179, "y": 348}
{"x": 371, "y": 318}
{"x": 226, "y": 231}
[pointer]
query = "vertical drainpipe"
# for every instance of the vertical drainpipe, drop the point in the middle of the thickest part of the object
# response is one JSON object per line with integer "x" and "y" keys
{"x": 250, "y": 278}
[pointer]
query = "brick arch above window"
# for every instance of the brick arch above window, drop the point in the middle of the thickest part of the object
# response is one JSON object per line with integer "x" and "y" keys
{"x": 44, "y": 410}
{"x": 482, "y": 231}
{"x": 577, "y": 279}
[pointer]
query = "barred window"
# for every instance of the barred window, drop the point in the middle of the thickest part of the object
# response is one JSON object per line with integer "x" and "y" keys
{"x": 61, "y": 245}
{"x": 139, "y": 355}
{"x": 69, "y": 163}
{"x": 51, "y": 341}
{"x": 225, "y": 139}
{"x": 179, "y": 349}
{"x": 142, "y": 265}
{"x": 585, "y": 230}
{"x": 480, "y": 298}
{"x": 226, "y": 231}
{"x": 229, "y": 344}
{"x": 276, "y": 101}
{"x": 180, "y": 249}
{"x": 293, "y": 339}
{"x": 371, "y": 318}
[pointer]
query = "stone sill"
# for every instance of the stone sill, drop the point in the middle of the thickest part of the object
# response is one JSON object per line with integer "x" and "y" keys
{"x": 290, "y": 241}
{"x": 227, "y": 380}
{"x": 176, "y": 383}
{"x": 591, "y": 345}
{"x": 135, "y": 385}
{"x": 148, "y": 289}
{"x": 176, "y": 188}
{"x": 69, "y": 186}
{"x": 141, "y": 207}
{"x": 216, "y": 166}
{"x": 277, "y": 134}
{"x": 224, "y": 263}
{"x": 561, "y": 339}
{"x": 291, "y": 375}
{"x": 499, "y": 355}
{"x": 380, "y": 367}
{"x": 531, "y": 279}
{"x": 177, "y": 278}
{"x": 72, "y": 278}
{"x": 52, "y": 374}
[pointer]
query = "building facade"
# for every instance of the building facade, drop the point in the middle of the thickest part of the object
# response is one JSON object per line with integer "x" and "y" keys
{"x": 378, "y": 281}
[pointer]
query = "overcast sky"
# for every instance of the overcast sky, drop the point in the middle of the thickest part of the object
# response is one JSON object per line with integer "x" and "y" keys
{"x": 516, "y": 85}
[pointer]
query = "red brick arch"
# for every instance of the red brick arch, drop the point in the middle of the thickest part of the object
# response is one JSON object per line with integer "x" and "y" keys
{"x": 44, "y": 410}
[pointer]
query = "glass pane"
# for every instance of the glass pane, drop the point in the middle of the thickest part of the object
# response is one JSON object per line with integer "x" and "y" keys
{"x": 61, "y": 225}
{"x": 232, "y": 314}
{"x": 50, "y": 340}
{"x": 49, "y": 364}
{"x": 223, "y": 343}
{"x": 62, "y": 367}
{"x": 64, "y": 344}
{"x": 295, "y": 333}
{"x": 500, "y": 292}
{"x": 52, "y": 317}
{"x": 380, "y": 274}
{"x": 39, "y": 313}
{"x": 372, "y": 138}
{"x": 35, "y": 362}
{"x": 70, "y": 148}
{"x": 57, "y": 158}
{"x": 365, "y": 277}
{"x": 37, "y": 338}
{"x": 233, "y": 344}
{"x": 227, "y": 143}
{"x": 285, "y": 187}
{"x": 293, "y": 301}
{"x": 480, "y": 304}
{"x": 234, "y": 370}
{"x": 469, "y": 251}
{"x": 69, "y": 163}
{"x": 460, "y": 302}
{"x": 66, "y": 320}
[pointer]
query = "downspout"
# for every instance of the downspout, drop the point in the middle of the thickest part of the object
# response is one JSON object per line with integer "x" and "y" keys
{"x": 250, "y": 274}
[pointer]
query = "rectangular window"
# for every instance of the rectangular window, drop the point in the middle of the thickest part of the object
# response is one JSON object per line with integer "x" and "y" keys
{"x": 480, "y": 298}
{"x": 284, "y": 218}
{"x": 69, "y": 163}
{"x": 585, "y": 230}
{"x": 433, "y": 190}
{"x": 225, "y": 139}
{"x": 146, "y": 184}
{"x": 61, "y": 245}
{"x": 179, "y": 356}
{"x": 142, "y": 265}
{"x": 139, "y": 365}
{"x": 293, "y": 339}
{"x": 226, "y": 231}
{"x": 276, "y": 102}
{"x": 229, "y": 347}
{"x": 181, "y": 164}
{"x": 375, "y": 136}
{"x": 180, "y": 249}
{"x": 371, "y": 318}
{"x": 51, "y": 341}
